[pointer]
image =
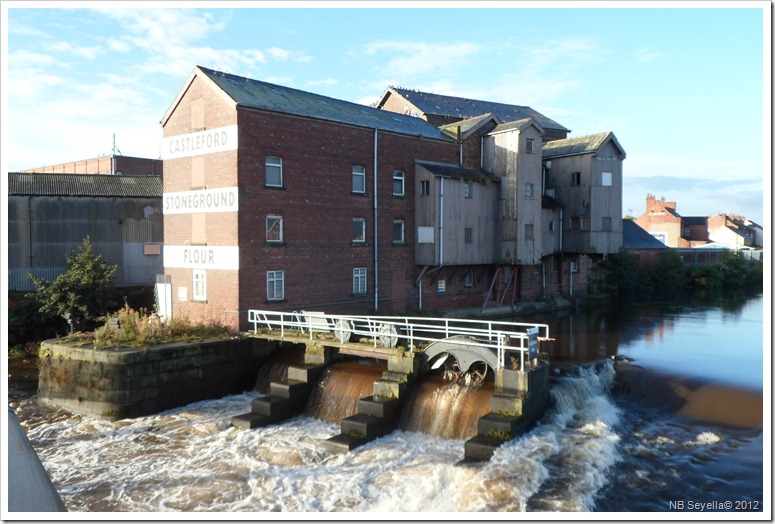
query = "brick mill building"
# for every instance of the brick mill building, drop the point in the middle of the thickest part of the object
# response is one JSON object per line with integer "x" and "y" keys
{"x": 276, "y": 198}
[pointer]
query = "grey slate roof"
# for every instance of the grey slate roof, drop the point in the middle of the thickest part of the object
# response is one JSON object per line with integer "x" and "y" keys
{"x": 57, "y": 184}
{"x": 695, "y": 221}
{"x": 467, "y": 124}
{"x": 271, "y": 97}
{"x": 578, "y": 145}
{"x": 443, "y": 105}
{"x": 635, "y": 237}
{"x": 451, "y": 170}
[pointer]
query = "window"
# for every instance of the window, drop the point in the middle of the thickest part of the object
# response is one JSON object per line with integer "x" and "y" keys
{"x": 274, "y": 171}
{"x": 398, "y": 183}
{"x": 529, "y": 145}
{"x": 606, "y": 223}
{"x": 274, "y": 228}
{"x": 606, "y": 178}
{"x": 398, "y": 231}
{"x": 507, "y": 272}
{"x": 584, "y": 223}
{"x": 551, "y": 225}
{"x": 359, "y": 179}
{"x": 425, "y": 234}
{"x": 275, "y": 285}
{"x": 687, "y": 232}
{"x": 575, "y": 178}
{"x": 200, "y": 286}
{"x": 529, "y": 191}
{"x": 359, "y": 281}
{"x": 574, "y": 266}
{"x": 528, "y": 231}
{"x": 469, "y": 235}
{"x": 468, "y": 189}
{"x": 359, "y": 230}
{"x": 468, "y": 279}
{"x": 425, "y": 187}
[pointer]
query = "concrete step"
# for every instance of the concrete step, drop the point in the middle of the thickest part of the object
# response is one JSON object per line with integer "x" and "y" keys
{"x": 389, "y": 388}
{"x": 395, "y": 376}
{"x": 271, "y": 406}
{"x": 481, "y": 447}
{"x": 250, "y": 421}
{"x": 511, "y": 404}
{"x": 343, "y": 443}
{"x": 497, "y": 423}
{"x": 308, "y": 373}
{"x": 381, "y": 407}
{"x": 293, "y": 390}
{"x": 365, "y": 426}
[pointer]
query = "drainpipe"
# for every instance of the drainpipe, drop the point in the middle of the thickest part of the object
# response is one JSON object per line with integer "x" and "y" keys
{"x": 460, "y": 145}
{"x": 376, "y": 238}
{"x": 441, "y": 222}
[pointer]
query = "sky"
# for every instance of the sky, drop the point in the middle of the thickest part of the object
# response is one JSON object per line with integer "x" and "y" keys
{"x": 685, "y": 87}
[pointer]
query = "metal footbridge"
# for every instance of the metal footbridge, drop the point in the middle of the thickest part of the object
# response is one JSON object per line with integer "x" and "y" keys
{"x": 496, "y": 343}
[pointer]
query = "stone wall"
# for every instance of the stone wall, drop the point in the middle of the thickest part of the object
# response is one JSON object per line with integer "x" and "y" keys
{"x": 123, "y": 383}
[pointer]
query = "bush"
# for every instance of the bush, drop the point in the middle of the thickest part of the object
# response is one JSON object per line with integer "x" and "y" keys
{"x": 626, "y": 275}
{"x": 140, "y": 329}
{"x": 669, "y": 274}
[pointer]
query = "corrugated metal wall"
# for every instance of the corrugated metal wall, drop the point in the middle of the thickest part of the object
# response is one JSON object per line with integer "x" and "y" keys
{"x": 42, "y": 231}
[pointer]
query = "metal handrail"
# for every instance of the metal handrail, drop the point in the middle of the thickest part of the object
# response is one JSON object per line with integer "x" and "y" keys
{"x": 414, "y": 329}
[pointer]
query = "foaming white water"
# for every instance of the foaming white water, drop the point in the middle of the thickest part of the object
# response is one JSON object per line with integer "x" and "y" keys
{"x": 190, "y": 459}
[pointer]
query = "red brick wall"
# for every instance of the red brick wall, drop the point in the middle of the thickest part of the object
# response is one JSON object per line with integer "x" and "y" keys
{"x": 127, "y": 165}
{"x": 318, "y": 207}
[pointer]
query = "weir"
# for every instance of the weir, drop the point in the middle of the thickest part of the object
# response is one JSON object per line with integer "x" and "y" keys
{"x": 412, "y": 347}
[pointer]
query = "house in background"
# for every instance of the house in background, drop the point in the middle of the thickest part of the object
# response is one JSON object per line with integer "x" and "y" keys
{"x": 106, "y": 165}
{"x": 733, "y": 232}
{"x": 49, "y": 215}
{"x": 663, "y": 221}
{"x": 642, "y": 244}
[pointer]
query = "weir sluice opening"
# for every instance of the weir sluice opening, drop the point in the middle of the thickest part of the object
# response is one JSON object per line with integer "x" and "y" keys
{"x": 454, "y": 379}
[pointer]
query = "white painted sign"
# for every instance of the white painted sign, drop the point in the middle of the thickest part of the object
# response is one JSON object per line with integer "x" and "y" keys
{"x": 182, "y": 294}
{"x": 218, "y": 200}
{"x": 199, "y": 143}
{"x": 202, "y": 257}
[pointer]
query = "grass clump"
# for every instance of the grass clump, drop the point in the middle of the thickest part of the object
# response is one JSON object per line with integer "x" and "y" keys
{"x": 139, "y": 329}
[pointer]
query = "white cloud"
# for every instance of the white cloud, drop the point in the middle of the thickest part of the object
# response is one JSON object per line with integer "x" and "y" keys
{"x": 89, "y": 53}
{"x": 412, "y": 58}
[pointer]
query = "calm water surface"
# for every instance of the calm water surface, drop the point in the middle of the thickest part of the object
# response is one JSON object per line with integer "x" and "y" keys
{"x": 608, "y": 444}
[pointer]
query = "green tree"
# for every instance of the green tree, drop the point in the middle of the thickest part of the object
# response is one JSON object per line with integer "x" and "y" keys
{"x": 669, "y": 274}
{"x": 82, "y": 294}
{"x": 625, "y": 274}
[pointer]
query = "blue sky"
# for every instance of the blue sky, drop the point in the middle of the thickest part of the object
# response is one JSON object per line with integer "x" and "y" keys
{"x": 683, "y": 88}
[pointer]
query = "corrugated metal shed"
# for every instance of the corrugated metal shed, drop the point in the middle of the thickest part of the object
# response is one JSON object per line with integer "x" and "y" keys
{"x": 443, "y": 105}
{"x": 579, "y": 145}
{"x": 262, "y": 95}
{"x": 49, "y": 184}
{"x": 635, "y": 237}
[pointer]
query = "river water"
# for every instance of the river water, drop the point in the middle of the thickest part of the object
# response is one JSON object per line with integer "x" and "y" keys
{"x": 674, "y": 424}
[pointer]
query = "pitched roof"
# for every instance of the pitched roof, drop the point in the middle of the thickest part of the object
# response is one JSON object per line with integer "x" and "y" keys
{"x": 469, "y": 124}
{"x": 517, "y": 124}
{"x": 635, "y": 237}
{"x": 695, "y": 221}
{"x": 452, "y": 170}
{"x": 57, "y": 184}
{"x": 457, "y": 107}
{"x": 256, "y": 94}
{"x": 579, "y": 145}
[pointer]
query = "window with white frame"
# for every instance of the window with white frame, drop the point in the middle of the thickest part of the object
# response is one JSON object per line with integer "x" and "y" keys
{"x": 359, "y": 179}
{"x": 274, "y": 228}
{"x": 359, "y": 230}
{"x": 199, "y": 285}
{"x": 606, "y": 224}
{"x": 398, "y": 232}
{"x": 529, "y": 145}
{"x": 274, "y": 171}
{"x": 529, "y": 189}
{"x": 399, "y": 185}
{"x": 359, "y": 281}
{"x": 606, "y": 178}
{"x": 275, "y": 285}
{"x": 425, "y": 187}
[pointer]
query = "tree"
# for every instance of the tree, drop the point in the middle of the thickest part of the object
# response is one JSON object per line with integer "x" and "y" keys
{"x": 669, "y": 275}
{"x": 82, "y": 294}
